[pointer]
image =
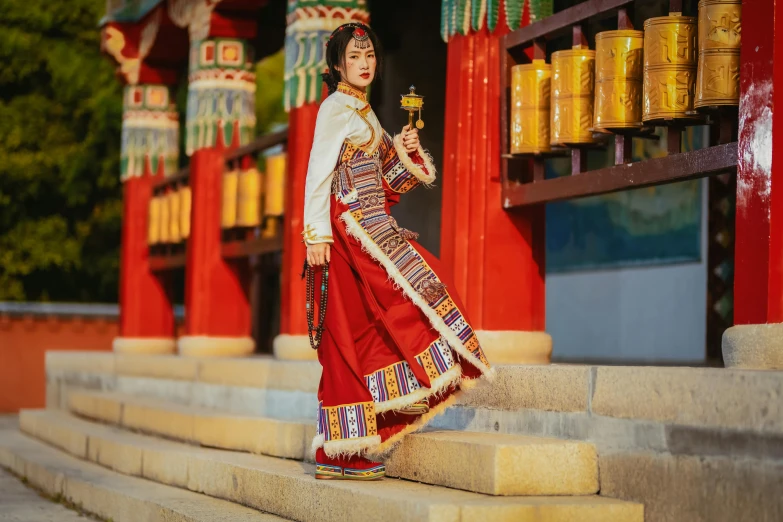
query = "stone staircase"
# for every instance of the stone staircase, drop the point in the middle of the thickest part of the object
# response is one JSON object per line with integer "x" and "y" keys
{"x": 171, "y": 438}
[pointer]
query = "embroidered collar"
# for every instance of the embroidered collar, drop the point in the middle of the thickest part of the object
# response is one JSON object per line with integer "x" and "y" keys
{"x": 351, "y": 91}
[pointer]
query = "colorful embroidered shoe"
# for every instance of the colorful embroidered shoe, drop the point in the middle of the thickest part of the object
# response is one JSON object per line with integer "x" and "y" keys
{"x": 417, "y": 408}
{"x": 347, "y": 468}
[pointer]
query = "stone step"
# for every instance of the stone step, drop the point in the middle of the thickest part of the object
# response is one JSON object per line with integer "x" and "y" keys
{"x": 110, "y": 495}
{"x": 493, "y": 464}
{"x": 288, "y": 488}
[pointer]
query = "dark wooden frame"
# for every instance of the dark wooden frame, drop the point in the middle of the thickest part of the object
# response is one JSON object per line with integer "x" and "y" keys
{"x": 523, "y": 176}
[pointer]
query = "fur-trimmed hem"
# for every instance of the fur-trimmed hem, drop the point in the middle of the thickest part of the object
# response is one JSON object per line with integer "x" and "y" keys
{"x": 355, "y": 230}
{"x": 425, "y": 175}
{"x": 318, "y": 442}
{"x": 389, "y": 444}
{"x": 450, "y": 378}
{"x": 358, "y": 446}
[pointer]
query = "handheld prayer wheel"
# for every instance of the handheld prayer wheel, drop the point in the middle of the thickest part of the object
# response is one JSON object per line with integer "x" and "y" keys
{"x": 228, "y": 216}
{"x": 669, "y": 67}
{"x": 248, "y": 210}
{"x": 717, "y": 81}
{"x": 412, "y": 102}
{"x": 274, "y": 191}
{"x": 619, "y": 75}
{"x": 165, "y": 215}
{"x": 573, "y": 90}
{"x": 184, "y": 212}
{"x": 531, "y": 86}
{"x": 153, "y": 226}
{"x": 174, "y": 232}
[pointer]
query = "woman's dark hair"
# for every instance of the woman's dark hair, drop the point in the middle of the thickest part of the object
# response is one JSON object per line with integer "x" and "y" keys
{"x": 335, "y": 52}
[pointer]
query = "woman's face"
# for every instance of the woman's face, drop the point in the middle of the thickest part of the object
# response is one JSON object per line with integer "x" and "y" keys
{"x": 358, "y": 69}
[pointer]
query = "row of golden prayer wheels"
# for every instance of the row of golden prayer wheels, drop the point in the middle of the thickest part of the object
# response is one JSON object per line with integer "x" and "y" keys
{"x": 249, "y": 198}
{"x": 674, "y": 71}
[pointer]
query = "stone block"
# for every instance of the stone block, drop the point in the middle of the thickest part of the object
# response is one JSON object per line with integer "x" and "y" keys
{"x": 165, "y": 466}
{"x": 254, "y": 434}
{"x": 37, "y": 423}
{"x": 557, "y": 509}
{"x": 95, "y": 406}
{"x": 696, "y": 489}
{"x": 173, "y": 421}
{"x": 157, "y": 366}
{"x": 754, "y": 346}
{"x": 497, "y": 464}
{"x": 710, "y": 397}
{"x": 262, "y": 372}
{"x": 115, "y": 453}
{"x": 75, "y": 361}
{"x": 173, "y": 390}
{"x": 552, "y": 388}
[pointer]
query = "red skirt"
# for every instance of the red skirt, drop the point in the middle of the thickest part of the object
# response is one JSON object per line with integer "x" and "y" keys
{"x": 380, "y": 353}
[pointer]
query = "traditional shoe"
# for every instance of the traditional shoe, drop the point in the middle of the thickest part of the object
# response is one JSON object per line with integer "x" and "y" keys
{"x": 347, "y": 468}
{"x": 329, "y": 472}
{"x": 417, "y": 408}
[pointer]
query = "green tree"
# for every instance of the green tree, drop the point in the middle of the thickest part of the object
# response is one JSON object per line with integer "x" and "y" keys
{"x": 60, "y": 118}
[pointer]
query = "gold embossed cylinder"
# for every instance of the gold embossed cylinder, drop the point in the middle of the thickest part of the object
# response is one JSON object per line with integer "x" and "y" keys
{"x": 717, "y": 82}
{"x": 530, "y": 105}
{"x": 669, "y": 68}
{"x": 165, "y": 215}
{"x": 249, "y": 198}
{"x": 174, "y": 231}
{"x": 619, "y": 72}
{"x": 573, "y": 94}
{"x": 228, "y": 217}
{"x": 184, "y": 211}
{"x": 153, "y": 226}
{"x": 274, "y": 193}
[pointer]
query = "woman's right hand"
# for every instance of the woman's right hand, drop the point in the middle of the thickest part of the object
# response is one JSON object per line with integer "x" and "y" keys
{"x": 318, "y": 254}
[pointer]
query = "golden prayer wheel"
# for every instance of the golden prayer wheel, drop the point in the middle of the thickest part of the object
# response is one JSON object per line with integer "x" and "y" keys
{"x": 249, "y": 198}
{"x": 184, "y": 212}
{"x": 573, "y": 94}
{"x": 619, "y": 74}
{"x": 530, "y": 103}
{"x": 669, "y": 67}
{"x": 228, "y": 216}
{"x": 719, "y": 47}
{"x": 274, "y": 190}
{"x": 174, "y": 232}
{"x": 165, "y": 215}
{"x": 153, "y": 227}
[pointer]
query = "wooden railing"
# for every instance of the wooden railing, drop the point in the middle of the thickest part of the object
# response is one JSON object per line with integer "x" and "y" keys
{"x": 523, "y": 176}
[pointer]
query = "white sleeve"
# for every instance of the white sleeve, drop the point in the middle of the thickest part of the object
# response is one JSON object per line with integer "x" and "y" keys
{"x": 331, "y": 129}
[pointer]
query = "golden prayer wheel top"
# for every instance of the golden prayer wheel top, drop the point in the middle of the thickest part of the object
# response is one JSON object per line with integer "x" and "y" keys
{"x": 531, "y": 85}
{"x": 573, "y": 85}
{"x": 619, "y": 54}
{"x": 670, "y": 40}
{"x": 720, "y": 24}
{"x": 573, "y": 73}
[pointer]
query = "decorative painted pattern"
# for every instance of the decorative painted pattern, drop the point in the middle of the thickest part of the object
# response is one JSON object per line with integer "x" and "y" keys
{"x": 150, "y": 131}
{"x": 464, "y": 16}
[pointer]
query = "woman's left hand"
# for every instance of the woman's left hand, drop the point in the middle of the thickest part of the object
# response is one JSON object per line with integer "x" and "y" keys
{"x": 410, "y": 138}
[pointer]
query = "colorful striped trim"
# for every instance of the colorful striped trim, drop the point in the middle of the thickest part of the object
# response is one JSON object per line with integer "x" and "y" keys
{"x": 326, "y": 471}
{"x": 348, "y": 421}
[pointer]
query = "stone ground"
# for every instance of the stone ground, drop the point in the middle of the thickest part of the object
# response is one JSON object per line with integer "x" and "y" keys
{"x": 19, "y": 503}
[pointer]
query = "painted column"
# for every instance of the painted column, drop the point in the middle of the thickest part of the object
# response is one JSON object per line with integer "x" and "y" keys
{"x": 495, "y": 257}
{"x": 220, "y": 116}
{"x": 757, "y": 339}
{"x": 310, "y": 24}
{"x": 150, "y": 150}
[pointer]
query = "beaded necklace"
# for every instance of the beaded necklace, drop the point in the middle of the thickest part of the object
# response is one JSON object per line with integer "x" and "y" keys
{"x": 315, "y": 332}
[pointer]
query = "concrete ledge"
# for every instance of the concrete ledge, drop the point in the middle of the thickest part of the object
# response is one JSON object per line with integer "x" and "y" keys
{"x": 288, "y": 489}
{"x": 754, "y": 346}
{"x": 709, "y": 397}
{"x": 208, "y": 346}
{"x": 112, "y": 496}
{"x": 516, "y": 347}
{"x": 157, "y": 366}
{"x": 144, "y": 345}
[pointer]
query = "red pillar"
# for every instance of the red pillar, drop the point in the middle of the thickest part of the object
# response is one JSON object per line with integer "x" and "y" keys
{"x": 146, "y": 315}
{"x": 758, "y": 279}
{"x": 496, "y": 258}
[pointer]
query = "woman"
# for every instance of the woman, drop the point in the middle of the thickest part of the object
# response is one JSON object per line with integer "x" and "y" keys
{"x": 395, "y": 346}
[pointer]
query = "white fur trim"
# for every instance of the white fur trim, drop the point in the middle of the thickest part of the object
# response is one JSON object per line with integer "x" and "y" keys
{"x": 448, "y": 379}
{"x": 355, "y": 230}
{"x": 318, "y": 442}
{"x": 293, "y": 348}
{"x": 144, "y": 345}
{"x": 350, "y": 447}
{"x": 427, "y": 174}
{"x": 209, "y": 346}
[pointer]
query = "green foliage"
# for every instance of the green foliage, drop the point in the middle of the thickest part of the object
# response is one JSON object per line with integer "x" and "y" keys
{"x": 269, "y": 92}
{"x": 60, "y": 118}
